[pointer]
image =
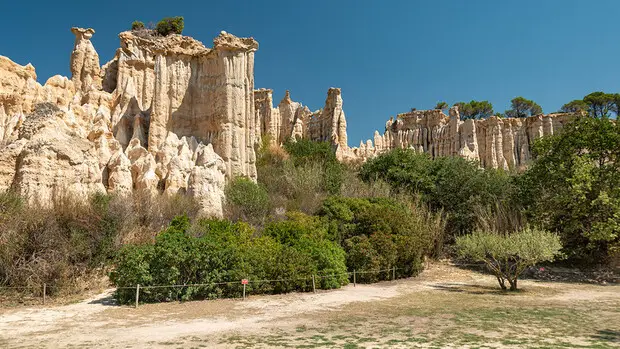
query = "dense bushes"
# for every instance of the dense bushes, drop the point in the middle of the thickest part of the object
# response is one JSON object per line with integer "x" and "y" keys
{"x": 69, "y": 245}
{"x": 299, "y": 176}
{"x": 573, "y": 188}
{"x": 221, "y": 253}
{"x": 170, "y": 25}
{"x": 454, "y": 185}
{"x": 380, "y": 234}
{"x": 247, "y": 201}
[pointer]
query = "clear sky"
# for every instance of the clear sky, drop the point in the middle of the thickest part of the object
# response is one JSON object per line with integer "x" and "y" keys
{"x": 387, "y": 56}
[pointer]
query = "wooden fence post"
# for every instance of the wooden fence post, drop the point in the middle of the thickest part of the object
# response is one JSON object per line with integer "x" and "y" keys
{"x": 313, "y": 284}
{"x": 44, "y": 291}
{"x": 243, "y": 291}
{"x": 137, "y": 294}
{"x": 353, "y": 277}
{"x": 393, "y": 273}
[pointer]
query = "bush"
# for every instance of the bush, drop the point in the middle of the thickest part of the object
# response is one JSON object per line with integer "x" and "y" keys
{"x": 70, "y": 244}
{"x": 453, "y": 185}
{"x": 380, "y": 234}
{"x": 247, "y": 201}
{"x": 217, "y": 254}
{"x": 170, "y": 25}
{"x": 304, "y": 151}
{"x": 573, "y": 188}
{"x": 137, "y": 25}
{"x": 507, "y": 256}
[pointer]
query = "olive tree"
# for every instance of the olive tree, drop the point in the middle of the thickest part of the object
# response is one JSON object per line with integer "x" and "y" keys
{"x": 507, "y": 256}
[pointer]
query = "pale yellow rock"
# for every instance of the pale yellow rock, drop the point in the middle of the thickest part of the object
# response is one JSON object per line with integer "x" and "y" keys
{"x": 85, "y": 69}
{"x": 207, "y": 181}
{"x": 54, "y": 161}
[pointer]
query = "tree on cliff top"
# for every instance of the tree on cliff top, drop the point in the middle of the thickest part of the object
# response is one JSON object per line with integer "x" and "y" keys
{"x": 170, "y": 25}
{"x": 475, "y": 109}
{"x": 522, "y": 107}
{"x": 443, "y": 106}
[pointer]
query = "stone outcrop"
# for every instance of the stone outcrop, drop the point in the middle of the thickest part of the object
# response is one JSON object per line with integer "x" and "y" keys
{"x": 166, "y": 115}
{"x": 291, "y": 120}
{"x": 169, "y": 116}
{"x": 494, "y": 142}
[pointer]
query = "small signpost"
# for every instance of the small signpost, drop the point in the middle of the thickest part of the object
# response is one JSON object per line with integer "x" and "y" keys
{"x": 244, "y": 282}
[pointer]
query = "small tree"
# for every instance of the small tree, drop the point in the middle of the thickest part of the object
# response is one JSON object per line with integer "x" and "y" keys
{"x": 442, "y": 106}
{"x": 170, "y": 25}
{"x": 521, "y": 108}
{"x": 575, "y": 106}
{"x": 507, "y": 256}
{"x": 137, "y": 25}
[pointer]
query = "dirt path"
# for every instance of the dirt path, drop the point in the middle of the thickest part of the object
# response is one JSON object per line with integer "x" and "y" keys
{"x": 97, "y": 323}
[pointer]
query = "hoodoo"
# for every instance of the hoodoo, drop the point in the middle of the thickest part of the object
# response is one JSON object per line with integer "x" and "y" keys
{"x": 168, "y": 115}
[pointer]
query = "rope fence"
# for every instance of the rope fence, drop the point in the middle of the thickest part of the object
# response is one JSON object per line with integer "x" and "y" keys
{"x": 44, "y": 287}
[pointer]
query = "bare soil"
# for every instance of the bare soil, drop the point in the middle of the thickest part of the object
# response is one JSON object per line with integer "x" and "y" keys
{"x": 445, "y": 307}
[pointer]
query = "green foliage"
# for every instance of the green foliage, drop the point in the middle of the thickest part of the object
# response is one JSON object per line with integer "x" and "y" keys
{"x": 381, "y": 233}
{"x": 217, "y": 254}
{"x": 247, "y": 200}
{"x": 507, "y": 256}
{"x": 170, "y": 25}
{"x": 453, "y": 185}
{"x": 599, "y": 104}
{"x": 304, "y": 152}
{"x": 521, "y": 108}
{"x": 576, "y": 106}
{"x": 596, "y": 104}
{"x": 442, "y": 106}
{"x": 137, "y": 25}
{"x": 475, "y": 109}
{"x": 573, "y": 187}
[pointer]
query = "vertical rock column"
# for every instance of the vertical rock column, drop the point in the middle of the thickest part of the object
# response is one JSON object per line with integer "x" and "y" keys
{"x": 234, "y": 114}
{"x": 85, "y": 70}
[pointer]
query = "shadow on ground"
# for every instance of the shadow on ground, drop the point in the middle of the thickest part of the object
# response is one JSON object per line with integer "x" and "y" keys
{"x": 107, "y": 300}
{"x": 607, "y": 336}
{"x": 470, "y": 288}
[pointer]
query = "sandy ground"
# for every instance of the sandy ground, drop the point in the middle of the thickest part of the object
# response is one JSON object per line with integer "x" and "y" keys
{"x": 99, "y": 323}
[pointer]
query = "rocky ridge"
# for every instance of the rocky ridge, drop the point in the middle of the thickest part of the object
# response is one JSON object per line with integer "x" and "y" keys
{"x": 168, "y": 115}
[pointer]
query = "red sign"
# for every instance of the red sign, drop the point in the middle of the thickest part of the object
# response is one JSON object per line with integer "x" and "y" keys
{"x": 244, "y": 281}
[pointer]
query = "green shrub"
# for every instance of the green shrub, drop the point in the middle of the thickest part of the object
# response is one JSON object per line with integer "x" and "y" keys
{"x": 573, "y": 188}
{"x": 137, "y": 25}
{"x": 507, "y": 256}
{"x": 380, "y": 234}
{"x": 217, "y": 254}
{"x": 304, "y": 151}
{"x": 247, "y": 201}
{"x": 170, "y": 25}
{"x": 453, "y": 185}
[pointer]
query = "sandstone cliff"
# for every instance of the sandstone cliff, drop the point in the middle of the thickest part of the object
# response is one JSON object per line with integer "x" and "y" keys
{"x": 166, "y": 115}
{"x": 494, "y": 142}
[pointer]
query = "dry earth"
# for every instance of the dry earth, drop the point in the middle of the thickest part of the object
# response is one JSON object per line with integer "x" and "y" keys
{"x": 445, "y": 307}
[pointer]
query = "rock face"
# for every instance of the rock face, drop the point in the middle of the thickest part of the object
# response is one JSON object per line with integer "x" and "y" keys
{"x": 291, "y": 120}
{"x": 166, "y": 115}
{"x": 169, "y": 116}
{"x": 494, "y": 142}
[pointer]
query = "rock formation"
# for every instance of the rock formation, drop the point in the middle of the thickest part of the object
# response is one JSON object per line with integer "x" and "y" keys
{"x": 493, "y": 142}
{"x": 291, "y": 120}
{"x": 169, "y": 116}
{"x": 166, "y": 115}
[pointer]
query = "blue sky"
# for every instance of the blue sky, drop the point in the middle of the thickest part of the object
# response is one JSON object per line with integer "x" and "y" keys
{"x": 387, "y": 56}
